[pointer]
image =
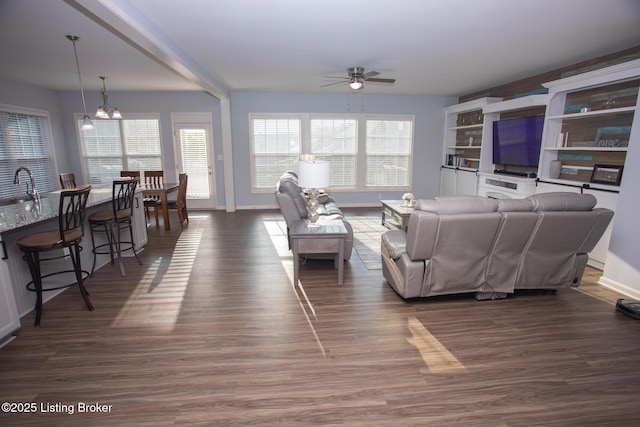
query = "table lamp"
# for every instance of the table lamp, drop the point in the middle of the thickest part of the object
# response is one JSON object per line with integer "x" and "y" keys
{"x": 313, "y": 175}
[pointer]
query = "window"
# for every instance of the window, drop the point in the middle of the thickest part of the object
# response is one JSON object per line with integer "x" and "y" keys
{"x": 366, "y": 152}
{"x": 275, "y": 149}
{"x": 388, "y": 153}
{"x": 336, "y": 140}
{"x": 25, "y": 141}
{"x": 116, "y": 145}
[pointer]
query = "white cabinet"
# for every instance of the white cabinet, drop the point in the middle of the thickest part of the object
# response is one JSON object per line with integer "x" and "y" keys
{"x": 447, "y": 182}
{"x": 466, "y": 135}
{"x": 464, "y": 150}
{"x": 589, "y": 123}
{"x": 9, "y": 319}
{"x": 458, "y": 182}
{"x": 606, "y": 199}
{"x": 505, "y": 186}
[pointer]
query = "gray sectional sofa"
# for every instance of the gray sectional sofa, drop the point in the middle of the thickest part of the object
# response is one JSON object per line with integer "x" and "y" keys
{"x": 473, "y": 244}
{"x": 293, "y": 206}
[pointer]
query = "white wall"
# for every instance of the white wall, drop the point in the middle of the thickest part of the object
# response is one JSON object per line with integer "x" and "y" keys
{"x": 622, "y": 268}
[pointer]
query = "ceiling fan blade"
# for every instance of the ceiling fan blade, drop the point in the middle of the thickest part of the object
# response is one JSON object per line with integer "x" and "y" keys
{"x": 335, "y": 83}
{"x": 369, "y": 74}
{"x": 336, "y": 77}
{"x": 381, "y": 80}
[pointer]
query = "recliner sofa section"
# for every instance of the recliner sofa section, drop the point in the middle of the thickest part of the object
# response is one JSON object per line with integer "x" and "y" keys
{"x": 293, "y": 206}
{"x": 472, "y": 244}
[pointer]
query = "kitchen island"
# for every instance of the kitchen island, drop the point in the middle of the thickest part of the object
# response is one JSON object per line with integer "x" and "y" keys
{"x": 22, "y": 218}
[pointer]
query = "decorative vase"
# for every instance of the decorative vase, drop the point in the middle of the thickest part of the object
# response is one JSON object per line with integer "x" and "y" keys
{"x": 555, "y": 168}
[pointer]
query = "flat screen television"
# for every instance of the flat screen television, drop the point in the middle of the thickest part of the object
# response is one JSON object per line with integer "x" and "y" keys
{"x": 516, "y": 142}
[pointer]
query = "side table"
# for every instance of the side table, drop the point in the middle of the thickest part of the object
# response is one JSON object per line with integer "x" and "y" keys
{"x": 395, "y": 215}
{"x": 325, "y": 238}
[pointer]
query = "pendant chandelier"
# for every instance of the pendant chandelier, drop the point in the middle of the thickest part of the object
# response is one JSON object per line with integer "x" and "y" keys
{"x": 86, "y": 121}
{"x": 105, "y": 111}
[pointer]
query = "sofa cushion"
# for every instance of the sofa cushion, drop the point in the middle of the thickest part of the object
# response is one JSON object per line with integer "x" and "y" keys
{"x": 452, "y": 205}
{"x": 515, "y": 205}
{"x": 560, "y": 201}
{"x": 289, "y": 185}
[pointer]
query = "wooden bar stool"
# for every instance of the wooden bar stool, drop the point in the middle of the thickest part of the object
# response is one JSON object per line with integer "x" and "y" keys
{"x": 68, "y": 235}
{"x": 113, "y": 221}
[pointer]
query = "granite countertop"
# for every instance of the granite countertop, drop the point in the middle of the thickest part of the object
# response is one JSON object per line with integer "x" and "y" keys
{"x": 22, "y": 213}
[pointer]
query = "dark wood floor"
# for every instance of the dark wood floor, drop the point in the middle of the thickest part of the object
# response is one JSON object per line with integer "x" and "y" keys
{"x": 210, "y": 331}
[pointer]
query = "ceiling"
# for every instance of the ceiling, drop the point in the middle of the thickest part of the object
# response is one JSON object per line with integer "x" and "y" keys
{"x": 432, "y": 47}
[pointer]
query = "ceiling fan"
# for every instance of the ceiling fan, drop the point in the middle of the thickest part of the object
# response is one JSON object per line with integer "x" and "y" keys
{"x": 357, "y": 77}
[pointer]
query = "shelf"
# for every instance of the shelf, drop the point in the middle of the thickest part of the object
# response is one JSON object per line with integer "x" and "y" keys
{"x": 476, "y": 126}
{"x": 592, "y": 113}
{"x": 516, "y": 104}
{"x": 585, "y": 148}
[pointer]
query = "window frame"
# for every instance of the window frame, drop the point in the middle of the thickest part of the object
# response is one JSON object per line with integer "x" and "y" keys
{"x": 48, "y": 145}
{"x": 361, "y": 155}
{"x": 130, "y": 116}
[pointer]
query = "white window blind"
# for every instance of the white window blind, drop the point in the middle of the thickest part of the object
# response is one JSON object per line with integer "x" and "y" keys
{"x": 116, "y": 145}
{"x": 193, "y": 146}
{"x": 25, "y": 141}
{"x": 275, "y": 148}
{"x": 336, "y": 140}
{"x": 366, "y": 152}
{"x": 388, "y": 153}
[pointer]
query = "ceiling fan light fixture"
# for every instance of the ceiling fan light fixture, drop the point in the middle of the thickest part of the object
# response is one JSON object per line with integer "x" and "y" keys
{"x": 355, "y": 83}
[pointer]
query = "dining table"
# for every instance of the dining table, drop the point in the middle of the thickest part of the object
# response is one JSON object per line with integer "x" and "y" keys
{"x": 160, "y": 192}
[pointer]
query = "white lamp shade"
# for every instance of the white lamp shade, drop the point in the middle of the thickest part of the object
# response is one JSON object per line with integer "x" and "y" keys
{"x": 314, "y": 174}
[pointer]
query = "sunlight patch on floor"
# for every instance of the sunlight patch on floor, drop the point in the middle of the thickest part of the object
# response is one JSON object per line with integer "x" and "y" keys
{"x": 277, "y": 230}
{"x": 157, "y": 300}
{"x": 435, "y": 355}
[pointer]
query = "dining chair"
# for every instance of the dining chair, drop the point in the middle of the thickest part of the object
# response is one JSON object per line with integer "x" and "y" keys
{"x": 68, "y": 180}
{"x": 153, "y": 178}
{"x": 180, "y": 203}
{"x": 129, "y": 174}
{"x": 61, "y": 243}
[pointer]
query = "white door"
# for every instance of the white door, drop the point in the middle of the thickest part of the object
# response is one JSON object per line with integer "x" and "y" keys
{"x": 194, "y": 155}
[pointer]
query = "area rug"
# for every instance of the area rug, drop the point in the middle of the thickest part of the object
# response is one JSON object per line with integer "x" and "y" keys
{"x": 366, "y": 239}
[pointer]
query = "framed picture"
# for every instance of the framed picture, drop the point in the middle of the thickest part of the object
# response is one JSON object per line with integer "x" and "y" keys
{"x": 606, "y": 174}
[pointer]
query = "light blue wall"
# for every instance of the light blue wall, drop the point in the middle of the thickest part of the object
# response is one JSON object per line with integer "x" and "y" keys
{"x": 428, "y": 135}
{"x": 27, "y": 96}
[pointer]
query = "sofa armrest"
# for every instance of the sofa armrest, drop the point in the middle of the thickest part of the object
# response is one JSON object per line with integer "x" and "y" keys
{"x": 396, "y": 243}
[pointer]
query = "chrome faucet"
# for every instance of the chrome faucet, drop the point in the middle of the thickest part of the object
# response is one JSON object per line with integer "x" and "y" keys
{"x": 31, "y": 192}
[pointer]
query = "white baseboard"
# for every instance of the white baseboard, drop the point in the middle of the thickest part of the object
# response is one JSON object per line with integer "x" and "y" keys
{"x": 619, "y": 287}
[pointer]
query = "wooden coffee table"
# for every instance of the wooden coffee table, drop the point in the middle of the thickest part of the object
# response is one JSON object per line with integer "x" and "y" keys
{"x": 394, "y": 215}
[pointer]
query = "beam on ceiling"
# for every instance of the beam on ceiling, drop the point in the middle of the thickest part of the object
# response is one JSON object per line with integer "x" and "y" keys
{"x": 126, "y": 22}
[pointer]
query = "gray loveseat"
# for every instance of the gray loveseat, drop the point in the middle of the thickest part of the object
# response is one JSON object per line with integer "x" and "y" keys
{"x": 293, "y": 206}
{"x": 472, "y": 244}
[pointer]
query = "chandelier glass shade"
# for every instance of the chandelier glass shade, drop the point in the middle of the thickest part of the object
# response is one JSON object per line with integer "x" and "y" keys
{"x": 105, "y": 111}
{"x": 356, "y": 83}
